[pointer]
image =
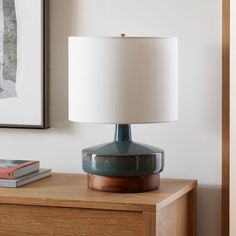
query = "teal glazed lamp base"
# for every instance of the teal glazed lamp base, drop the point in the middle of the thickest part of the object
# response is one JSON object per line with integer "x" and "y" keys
{"x": 123, "y": 165}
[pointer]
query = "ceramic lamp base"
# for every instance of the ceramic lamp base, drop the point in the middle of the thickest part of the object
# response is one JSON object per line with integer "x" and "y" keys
{"x": 135, "y": 184}
{"x": 123, "y": 166}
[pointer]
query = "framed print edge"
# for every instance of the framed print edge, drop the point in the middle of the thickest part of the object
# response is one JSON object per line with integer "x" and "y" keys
{"x": 45, "y": 75}
{"x": 46, "y": 117}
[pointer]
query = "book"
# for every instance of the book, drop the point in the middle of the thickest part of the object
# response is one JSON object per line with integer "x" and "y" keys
{"x": 11, "y": 169}
{"x": 26, "y": 179}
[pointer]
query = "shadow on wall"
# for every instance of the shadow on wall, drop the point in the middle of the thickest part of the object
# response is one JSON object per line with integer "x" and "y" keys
{"x": 208, "y": 197}
{"x": 63, "y": 23}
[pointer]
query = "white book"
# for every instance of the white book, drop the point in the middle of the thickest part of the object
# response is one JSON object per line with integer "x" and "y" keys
{"x": 26, "y": 179}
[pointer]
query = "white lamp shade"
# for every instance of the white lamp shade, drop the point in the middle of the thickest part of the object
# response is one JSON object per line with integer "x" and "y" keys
{"x": 123, "y": 80}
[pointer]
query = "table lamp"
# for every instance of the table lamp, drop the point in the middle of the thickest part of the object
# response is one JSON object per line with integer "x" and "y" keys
{"x": 123, "y": 81}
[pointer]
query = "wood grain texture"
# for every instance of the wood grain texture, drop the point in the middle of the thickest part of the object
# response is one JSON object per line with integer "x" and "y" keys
{"x": 225, "y": 115}
{"x": 192, "y": 207}
{"x": 149, "y": 224}
{"x": 70, "y": 190}
{"x": 135, "y": 184}
{"x": 177, "y": 218}
{"x": 62, "y": 205}
{"x": 35, "y": 221}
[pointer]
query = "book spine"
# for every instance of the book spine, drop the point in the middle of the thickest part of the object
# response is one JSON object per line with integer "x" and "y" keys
{"x": 6, "y": 174}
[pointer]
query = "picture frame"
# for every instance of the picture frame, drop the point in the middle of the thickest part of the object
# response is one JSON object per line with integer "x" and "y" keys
{"x": 27, "y": 106}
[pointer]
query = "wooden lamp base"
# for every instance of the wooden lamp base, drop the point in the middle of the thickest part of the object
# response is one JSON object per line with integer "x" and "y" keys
{"x": 134, "y": 184}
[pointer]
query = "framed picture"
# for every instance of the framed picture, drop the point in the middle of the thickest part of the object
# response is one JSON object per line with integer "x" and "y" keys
{"x": 24, "y": 64}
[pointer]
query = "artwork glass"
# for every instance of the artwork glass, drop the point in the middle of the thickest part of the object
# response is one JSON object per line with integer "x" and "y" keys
{"x": 22, "y": 63}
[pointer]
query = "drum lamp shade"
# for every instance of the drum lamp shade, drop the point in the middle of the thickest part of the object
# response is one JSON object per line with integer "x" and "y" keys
{"x": 123, "y": 80}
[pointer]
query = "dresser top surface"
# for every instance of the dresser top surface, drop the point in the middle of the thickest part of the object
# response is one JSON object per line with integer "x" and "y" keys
{"x": 70, "y": 190}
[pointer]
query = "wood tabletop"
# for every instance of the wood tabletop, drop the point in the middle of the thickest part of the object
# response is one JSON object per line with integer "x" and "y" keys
{"x": 70, "y": 190}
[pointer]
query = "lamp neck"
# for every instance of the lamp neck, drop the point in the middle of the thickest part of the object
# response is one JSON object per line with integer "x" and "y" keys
{"x": 123, "y": 133}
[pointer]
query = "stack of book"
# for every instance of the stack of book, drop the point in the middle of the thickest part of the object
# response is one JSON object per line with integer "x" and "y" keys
{"x": 15, "y": 173}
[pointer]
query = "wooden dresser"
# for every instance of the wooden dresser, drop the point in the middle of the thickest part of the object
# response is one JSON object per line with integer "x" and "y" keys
{"x": 62, "y": 205}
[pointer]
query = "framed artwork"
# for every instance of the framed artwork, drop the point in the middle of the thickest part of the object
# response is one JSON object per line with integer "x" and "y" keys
{"x": 24, "y": 64}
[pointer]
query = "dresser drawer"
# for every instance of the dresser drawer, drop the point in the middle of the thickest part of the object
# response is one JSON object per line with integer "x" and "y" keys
{"x": 62, "y": 205}
{"x": 19, "y": 220}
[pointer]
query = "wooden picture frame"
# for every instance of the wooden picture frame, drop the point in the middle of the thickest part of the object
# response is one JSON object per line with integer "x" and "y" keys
{"x": 225, "y": 115}
{"x": 33, "y": 33}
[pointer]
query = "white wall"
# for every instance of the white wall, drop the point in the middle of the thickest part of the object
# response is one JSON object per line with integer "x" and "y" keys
{"x": 193, "y": 144}
{"x": 232, "y": 117}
